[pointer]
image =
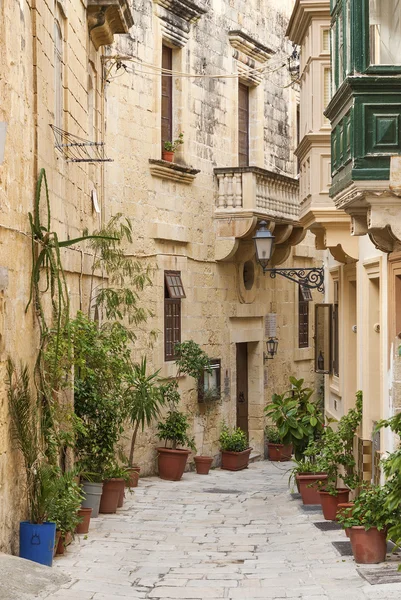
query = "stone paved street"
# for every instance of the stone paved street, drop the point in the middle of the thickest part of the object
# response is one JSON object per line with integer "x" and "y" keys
{"x": 227, "y": 535}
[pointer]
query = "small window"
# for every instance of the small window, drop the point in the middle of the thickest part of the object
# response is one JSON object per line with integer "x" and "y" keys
{"x": 174, "y": 284}
{"x": 305, "y": 293}
{"x": 303, "y": 318}
{"x": 167, "y": 96}
{"x": 248, "y": 275}
{"x": 209, "y": 385}
{"x": 323, "y": 337}
{"x": 335, "y": 335}
{"x": 173, "y": 292}
{"x": 326, "y": 40}
{"x": 243, "y": 125}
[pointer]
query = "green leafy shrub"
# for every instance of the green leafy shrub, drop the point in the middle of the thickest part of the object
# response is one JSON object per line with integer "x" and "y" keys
{"x": 299, "y": 419}
{"x": 371, "y": 510}
{"x": 67, "y": 500}
{"x": 273, "y": 435}
{"x": 234, "y": 440}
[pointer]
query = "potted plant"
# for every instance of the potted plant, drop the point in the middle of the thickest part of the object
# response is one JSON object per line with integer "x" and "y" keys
{"x": 235, "y": 450}
{"x": 64, "y": 509}
{"x": 114, "y": 481}
{"x": 308, "y": 478}
{"x": 190, "y": 360}
{"x": 297, "y": 418}
{"x": 101, "y": 365}
{"x": 336, "y": 459}
{"x": 278, "y": 451}
{"x": 208, "y": 395}
{"x": 144, "y": 399}
{"x": 368, "y": 522}
{"x": 37, "y": 535}
{"x": 170, "y": 147}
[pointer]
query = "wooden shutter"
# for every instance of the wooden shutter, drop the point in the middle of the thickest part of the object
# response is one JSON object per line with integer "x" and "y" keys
{"x": 243, "y": 125}
{"x": 172, "y": 326}
{"x": 323, "y": 337}
{"x": 167, "y": 96}
{"x": 303, "y": 320}
{"x": 173, "y": 292}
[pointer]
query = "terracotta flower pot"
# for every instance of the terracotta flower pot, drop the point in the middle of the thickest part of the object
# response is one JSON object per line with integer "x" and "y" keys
{"x": 342, "y": 506}
{"x": 57, "y": 539}
{"x": 330, "y": 503}
{"x": 167, "y": 155}
{"x": 110, "y": 495}
{"x": 235, "y": 461}
{"x": 121, "y": 497}
{"x": 64, "y": 540}
{"x": 368, "y": 547}
{"x": 85, "y": 514}
{"x": 171, "y": 463}
{"x": 203, "y": 464}
{"x": 279, "y": 452}
{"x": 133, "y": 476}
{"x": 308, "y": 486}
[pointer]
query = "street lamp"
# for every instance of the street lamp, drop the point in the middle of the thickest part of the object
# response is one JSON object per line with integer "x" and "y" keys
{"x": 271, "y": 347}
{"x": 309, "y": 277}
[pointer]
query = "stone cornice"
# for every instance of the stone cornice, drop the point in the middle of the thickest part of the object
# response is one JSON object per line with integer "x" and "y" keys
{"x": 304, "y": 11}
{"x": 106, "y": 18}
{"x": 311, "y": 140}
{"x": 172, "y": 171}
{"x": 247, "y": 45}
{"x": 176, "y": 17}
{"x": 250, "y": 55}
{"x": 185, "y": 9}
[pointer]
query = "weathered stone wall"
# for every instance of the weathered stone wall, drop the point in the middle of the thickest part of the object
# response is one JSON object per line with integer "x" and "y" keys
{"x": 174, "y": 222}
{"x": 27, "y": 91}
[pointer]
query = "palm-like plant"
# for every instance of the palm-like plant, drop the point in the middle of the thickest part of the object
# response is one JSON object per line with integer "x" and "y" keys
{"x": 144, "y": 399}
{"x": 27, "y": 433}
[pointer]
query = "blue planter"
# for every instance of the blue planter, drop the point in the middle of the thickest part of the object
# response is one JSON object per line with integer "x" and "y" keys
{"x": 36, "y": 542}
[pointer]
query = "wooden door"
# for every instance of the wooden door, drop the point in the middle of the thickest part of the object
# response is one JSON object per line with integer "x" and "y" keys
{"x": 242, "y": 387}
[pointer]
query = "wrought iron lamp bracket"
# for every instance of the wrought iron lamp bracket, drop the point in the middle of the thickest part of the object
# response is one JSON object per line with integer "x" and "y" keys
{"x": 312, "y": 277}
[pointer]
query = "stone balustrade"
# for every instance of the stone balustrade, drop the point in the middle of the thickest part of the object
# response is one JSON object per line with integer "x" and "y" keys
{"x": 257, "y": 191}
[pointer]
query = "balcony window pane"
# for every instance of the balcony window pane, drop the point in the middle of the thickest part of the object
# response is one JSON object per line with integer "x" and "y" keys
{"x": 385, "y": 32}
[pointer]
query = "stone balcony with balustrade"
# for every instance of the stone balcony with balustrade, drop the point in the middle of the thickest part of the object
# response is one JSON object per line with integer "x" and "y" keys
{"x": 247, "y": 195}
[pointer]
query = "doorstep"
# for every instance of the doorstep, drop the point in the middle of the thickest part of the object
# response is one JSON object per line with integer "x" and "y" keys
{"x": 255, "y": 457}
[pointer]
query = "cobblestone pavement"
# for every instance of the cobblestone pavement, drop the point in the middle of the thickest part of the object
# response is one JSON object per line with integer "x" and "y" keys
{"x": 239, "y": 535}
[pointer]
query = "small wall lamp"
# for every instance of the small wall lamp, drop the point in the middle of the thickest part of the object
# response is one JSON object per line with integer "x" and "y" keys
{"x": 309, "y": 277}
{"x": 271, "y": 348}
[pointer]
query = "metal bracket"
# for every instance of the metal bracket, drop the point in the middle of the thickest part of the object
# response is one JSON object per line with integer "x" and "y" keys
{"x": 312, "y": 277}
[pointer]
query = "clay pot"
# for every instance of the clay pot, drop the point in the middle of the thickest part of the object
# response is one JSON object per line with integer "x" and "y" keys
{"x": 168, "y": 156}
{"x": 133, "y": 476}
{"x": 85, "y": 514}
{"x": 307, "y": 483}
{"x": 56, "y": 541}
{"x": 368, "y": 547}
{"x": 121, "y": 497}
{"x": 235, "y": 461}
{"x": 111, "y": 495}
{"x": 330, "y": 503}
{"x": 342, "y": 506}
{"x": 171, "y": 463}
{"x": 279, "y": 452}
{"x": 63, "y": 541}
{"x": 203, "y": 464}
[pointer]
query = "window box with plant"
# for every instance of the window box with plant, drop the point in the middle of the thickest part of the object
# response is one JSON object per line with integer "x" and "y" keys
{"x": 277, "y": 451}
{"x": 235, "y": 450}
{"x": 170, "y": 147}
{"x": 174, "y": 429}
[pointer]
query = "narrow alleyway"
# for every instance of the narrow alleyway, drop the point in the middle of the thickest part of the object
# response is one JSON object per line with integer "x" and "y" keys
{"x": 227, "y": 535}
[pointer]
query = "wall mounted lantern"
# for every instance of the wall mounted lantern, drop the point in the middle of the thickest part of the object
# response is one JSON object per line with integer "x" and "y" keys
{"x": 271, "y": 347}
{"x": 309, "y": 277}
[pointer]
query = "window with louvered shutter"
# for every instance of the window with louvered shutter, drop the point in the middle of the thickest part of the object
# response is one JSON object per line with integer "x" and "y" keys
{"x": 243, "y": 125}
{"x": 167, "y": 96}
{"x": 326, "y": 89}
{"x": 303, "y": 320}
{"x": 173, "y": 292}
{"x": 326, "y": 40}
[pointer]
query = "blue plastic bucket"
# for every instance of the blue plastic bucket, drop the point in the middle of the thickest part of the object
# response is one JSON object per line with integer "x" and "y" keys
{"x": 36, "y": 542}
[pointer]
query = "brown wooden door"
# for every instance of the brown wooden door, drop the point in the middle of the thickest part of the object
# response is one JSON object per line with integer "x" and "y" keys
{"x": 242, "y": 387}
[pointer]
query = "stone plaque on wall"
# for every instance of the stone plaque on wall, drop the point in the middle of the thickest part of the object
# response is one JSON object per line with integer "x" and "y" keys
{"x": 270, "y": 325}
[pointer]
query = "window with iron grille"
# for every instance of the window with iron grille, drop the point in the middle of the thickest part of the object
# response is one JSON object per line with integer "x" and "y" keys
{"x": 303, "y": 317}
{"x": 173, "y": 293}
{"x": 243, "y": 125}
{"x": 336, "y": 365}
{"x": 167, "y": 96}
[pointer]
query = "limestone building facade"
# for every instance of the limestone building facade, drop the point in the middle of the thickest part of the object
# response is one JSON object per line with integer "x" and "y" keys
{"x": 123, "y": 77}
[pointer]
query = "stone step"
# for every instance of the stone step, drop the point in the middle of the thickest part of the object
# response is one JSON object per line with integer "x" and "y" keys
{"x": 255, "y": 457}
